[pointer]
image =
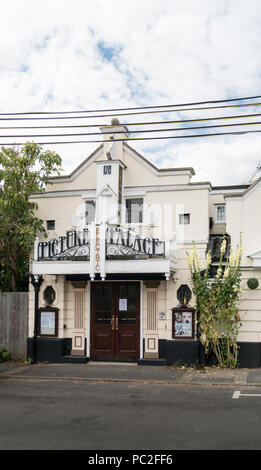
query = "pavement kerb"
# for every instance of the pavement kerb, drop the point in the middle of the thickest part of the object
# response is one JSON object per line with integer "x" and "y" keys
{"x": 131, "y": 381}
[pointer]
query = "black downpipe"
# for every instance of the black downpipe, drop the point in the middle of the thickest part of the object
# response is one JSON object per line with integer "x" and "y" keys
{"x": 36, "y": 281}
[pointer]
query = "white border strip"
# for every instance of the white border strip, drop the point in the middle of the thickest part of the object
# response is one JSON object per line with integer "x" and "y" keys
{"x": 238, "y": 394}
{"x": 141, "y": 319}
{"x": 88, "y": 318}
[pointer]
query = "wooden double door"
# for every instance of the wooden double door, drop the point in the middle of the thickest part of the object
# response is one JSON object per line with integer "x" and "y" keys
{"x": 115, "y": 320}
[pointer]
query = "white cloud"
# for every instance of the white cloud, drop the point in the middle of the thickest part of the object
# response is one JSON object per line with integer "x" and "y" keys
{"x": 160, "y": 52}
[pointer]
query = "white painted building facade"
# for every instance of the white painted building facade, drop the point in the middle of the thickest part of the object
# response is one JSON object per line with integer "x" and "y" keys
{"x": 114, "y": 265}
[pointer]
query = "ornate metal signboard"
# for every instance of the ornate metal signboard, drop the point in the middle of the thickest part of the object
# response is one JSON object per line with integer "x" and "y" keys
{"x": 73, "y": 244}
{"x": 120, "y": 243}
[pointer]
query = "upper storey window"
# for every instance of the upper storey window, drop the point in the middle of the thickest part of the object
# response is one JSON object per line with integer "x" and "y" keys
{"x": 50, "y": 224}
{"x": 107, "y": 170}
{"x": 184, "y": 219}
{"x": 134, "y": 211}
{"x": 89, "y": 212}
{"x": 220, "y": 214}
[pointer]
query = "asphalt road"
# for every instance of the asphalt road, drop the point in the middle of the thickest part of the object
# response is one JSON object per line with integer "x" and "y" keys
{"x": 77, "y": 415}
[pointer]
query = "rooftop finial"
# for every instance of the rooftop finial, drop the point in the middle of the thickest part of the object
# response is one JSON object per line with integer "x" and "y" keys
{"x": 115, "y": 121}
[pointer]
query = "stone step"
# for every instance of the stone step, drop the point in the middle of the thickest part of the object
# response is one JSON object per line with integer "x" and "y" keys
{"x": 74, "y": 359}
{"x": 152, "y": 362}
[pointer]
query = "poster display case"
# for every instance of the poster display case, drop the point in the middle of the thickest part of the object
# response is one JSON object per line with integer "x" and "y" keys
{"x": 48, "y": 321}
{"x": 183, "y": 323}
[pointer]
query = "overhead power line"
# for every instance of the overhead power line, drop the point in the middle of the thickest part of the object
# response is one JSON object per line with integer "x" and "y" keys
{"x": 128, "y": 114}
{"x": 132, "y": 108}
{"x": 175, "y": 129}
{"x": 148, "y": 123}
{"x": 113, "y": 128}
{"x": 170, "y": 137}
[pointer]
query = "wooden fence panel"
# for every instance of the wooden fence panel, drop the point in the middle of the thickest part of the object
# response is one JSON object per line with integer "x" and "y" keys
{"x": 14, "y": 322}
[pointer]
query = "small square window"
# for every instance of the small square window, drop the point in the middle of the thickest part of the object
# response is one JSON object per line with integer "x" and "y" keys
{"x": 107, "y": 170}
{"x": 50, "y": 224}
{"x": 184, "y": 219}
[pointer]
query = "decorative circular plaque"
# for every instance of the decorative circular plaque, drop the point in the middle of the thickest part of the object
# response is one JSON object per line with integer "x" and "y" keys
{"x": 49, "y": 295}
{"x": 184, "y": 294}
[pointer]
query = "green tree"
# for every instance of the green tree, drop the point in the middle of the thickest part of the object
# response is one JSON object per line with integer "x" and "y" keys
{"x": 22, "y": 173}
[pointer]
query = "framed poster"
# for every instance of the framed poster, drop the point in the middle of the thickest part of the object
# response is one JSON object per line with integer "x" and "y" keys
{"x": 123, "y": 304}
{"x": 48, "y": 321}
{"x": 183, "y": 323}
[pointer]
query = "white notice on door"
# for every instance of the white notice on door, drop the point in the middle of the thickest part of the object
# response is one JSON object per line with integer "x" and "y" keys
{"x": 122, "y": 304}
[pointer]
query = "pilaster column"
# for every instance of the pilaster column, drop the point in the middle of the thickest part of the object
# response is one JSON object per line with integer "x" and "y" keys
{"x": 151, "y": 323}
{"x": 78, "y": 335}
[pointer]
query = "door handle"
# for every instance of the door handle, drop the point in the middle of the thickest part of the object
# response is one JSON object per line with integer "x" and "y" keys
{"x": 113, "y": 322}
{"x": 117, "y": 324}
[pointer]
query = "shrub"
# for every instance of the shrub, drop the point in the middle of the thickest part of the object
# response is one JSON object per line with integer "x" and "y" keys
{"x": 216, "y": 301}
{"x": 4, "y": 355}
{"x": 252, "y": 283}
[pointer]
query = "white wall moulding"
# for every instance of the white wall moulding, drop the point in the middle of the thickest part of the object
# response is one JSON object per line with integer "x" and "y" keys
{"x": 61, "y": 267}
{"x": 256, "y": 257}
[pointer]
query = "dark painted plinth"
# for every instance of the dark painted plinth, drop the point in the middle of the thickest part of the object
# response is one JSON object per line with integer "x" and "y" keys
{"x": 182, "y": 351}
{"x": 54, "y": 350}
{"x": 249, "y": 355}
{"x": 189, "y": 352}
{"x": 192, "y": 352}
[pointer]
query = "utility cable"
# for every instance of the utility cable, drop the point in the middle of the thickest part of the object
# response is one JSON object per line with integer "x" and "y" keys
{"x": 111, "y": 126}
{"x": 136, "y": 131}
{"x": 133, "y": 108}
{"x": 129, "y": 114}
{"x": 137, "y": 138}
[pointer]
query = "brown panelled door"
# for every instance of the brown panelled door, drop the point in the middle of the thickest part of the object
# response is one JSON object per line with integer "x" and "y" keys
{"x": 115, "y": 320}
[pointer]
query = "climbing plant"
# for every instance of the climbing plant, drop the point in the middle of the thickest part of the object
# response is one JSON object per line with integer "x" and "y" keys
{"x": 216, "y": 301}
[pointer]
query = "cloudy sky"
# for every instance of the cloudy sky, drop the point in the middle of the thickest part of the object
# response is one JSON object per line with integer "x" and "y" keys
{"x": 64, "y": 55}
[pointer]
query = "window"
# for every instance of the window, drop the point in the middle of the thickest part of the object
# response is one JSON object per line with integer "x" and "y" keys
{"x": 107, "y": 170}
{"x": 184, "y": 219}
{"x": 89, "y": 212}
{"x": 134, "y": 211}
{"x": 50, "y": 224}
{"x": 220, "y": 214}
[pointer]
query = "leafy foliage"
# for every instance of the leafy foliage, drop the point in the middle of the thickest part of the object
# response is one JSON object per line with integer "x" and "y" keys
{"x": 252, "y": 283}
{"x": 22, "y": 173}
{"x": 4, "y": 355}
{"x": 217, "y": 304}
